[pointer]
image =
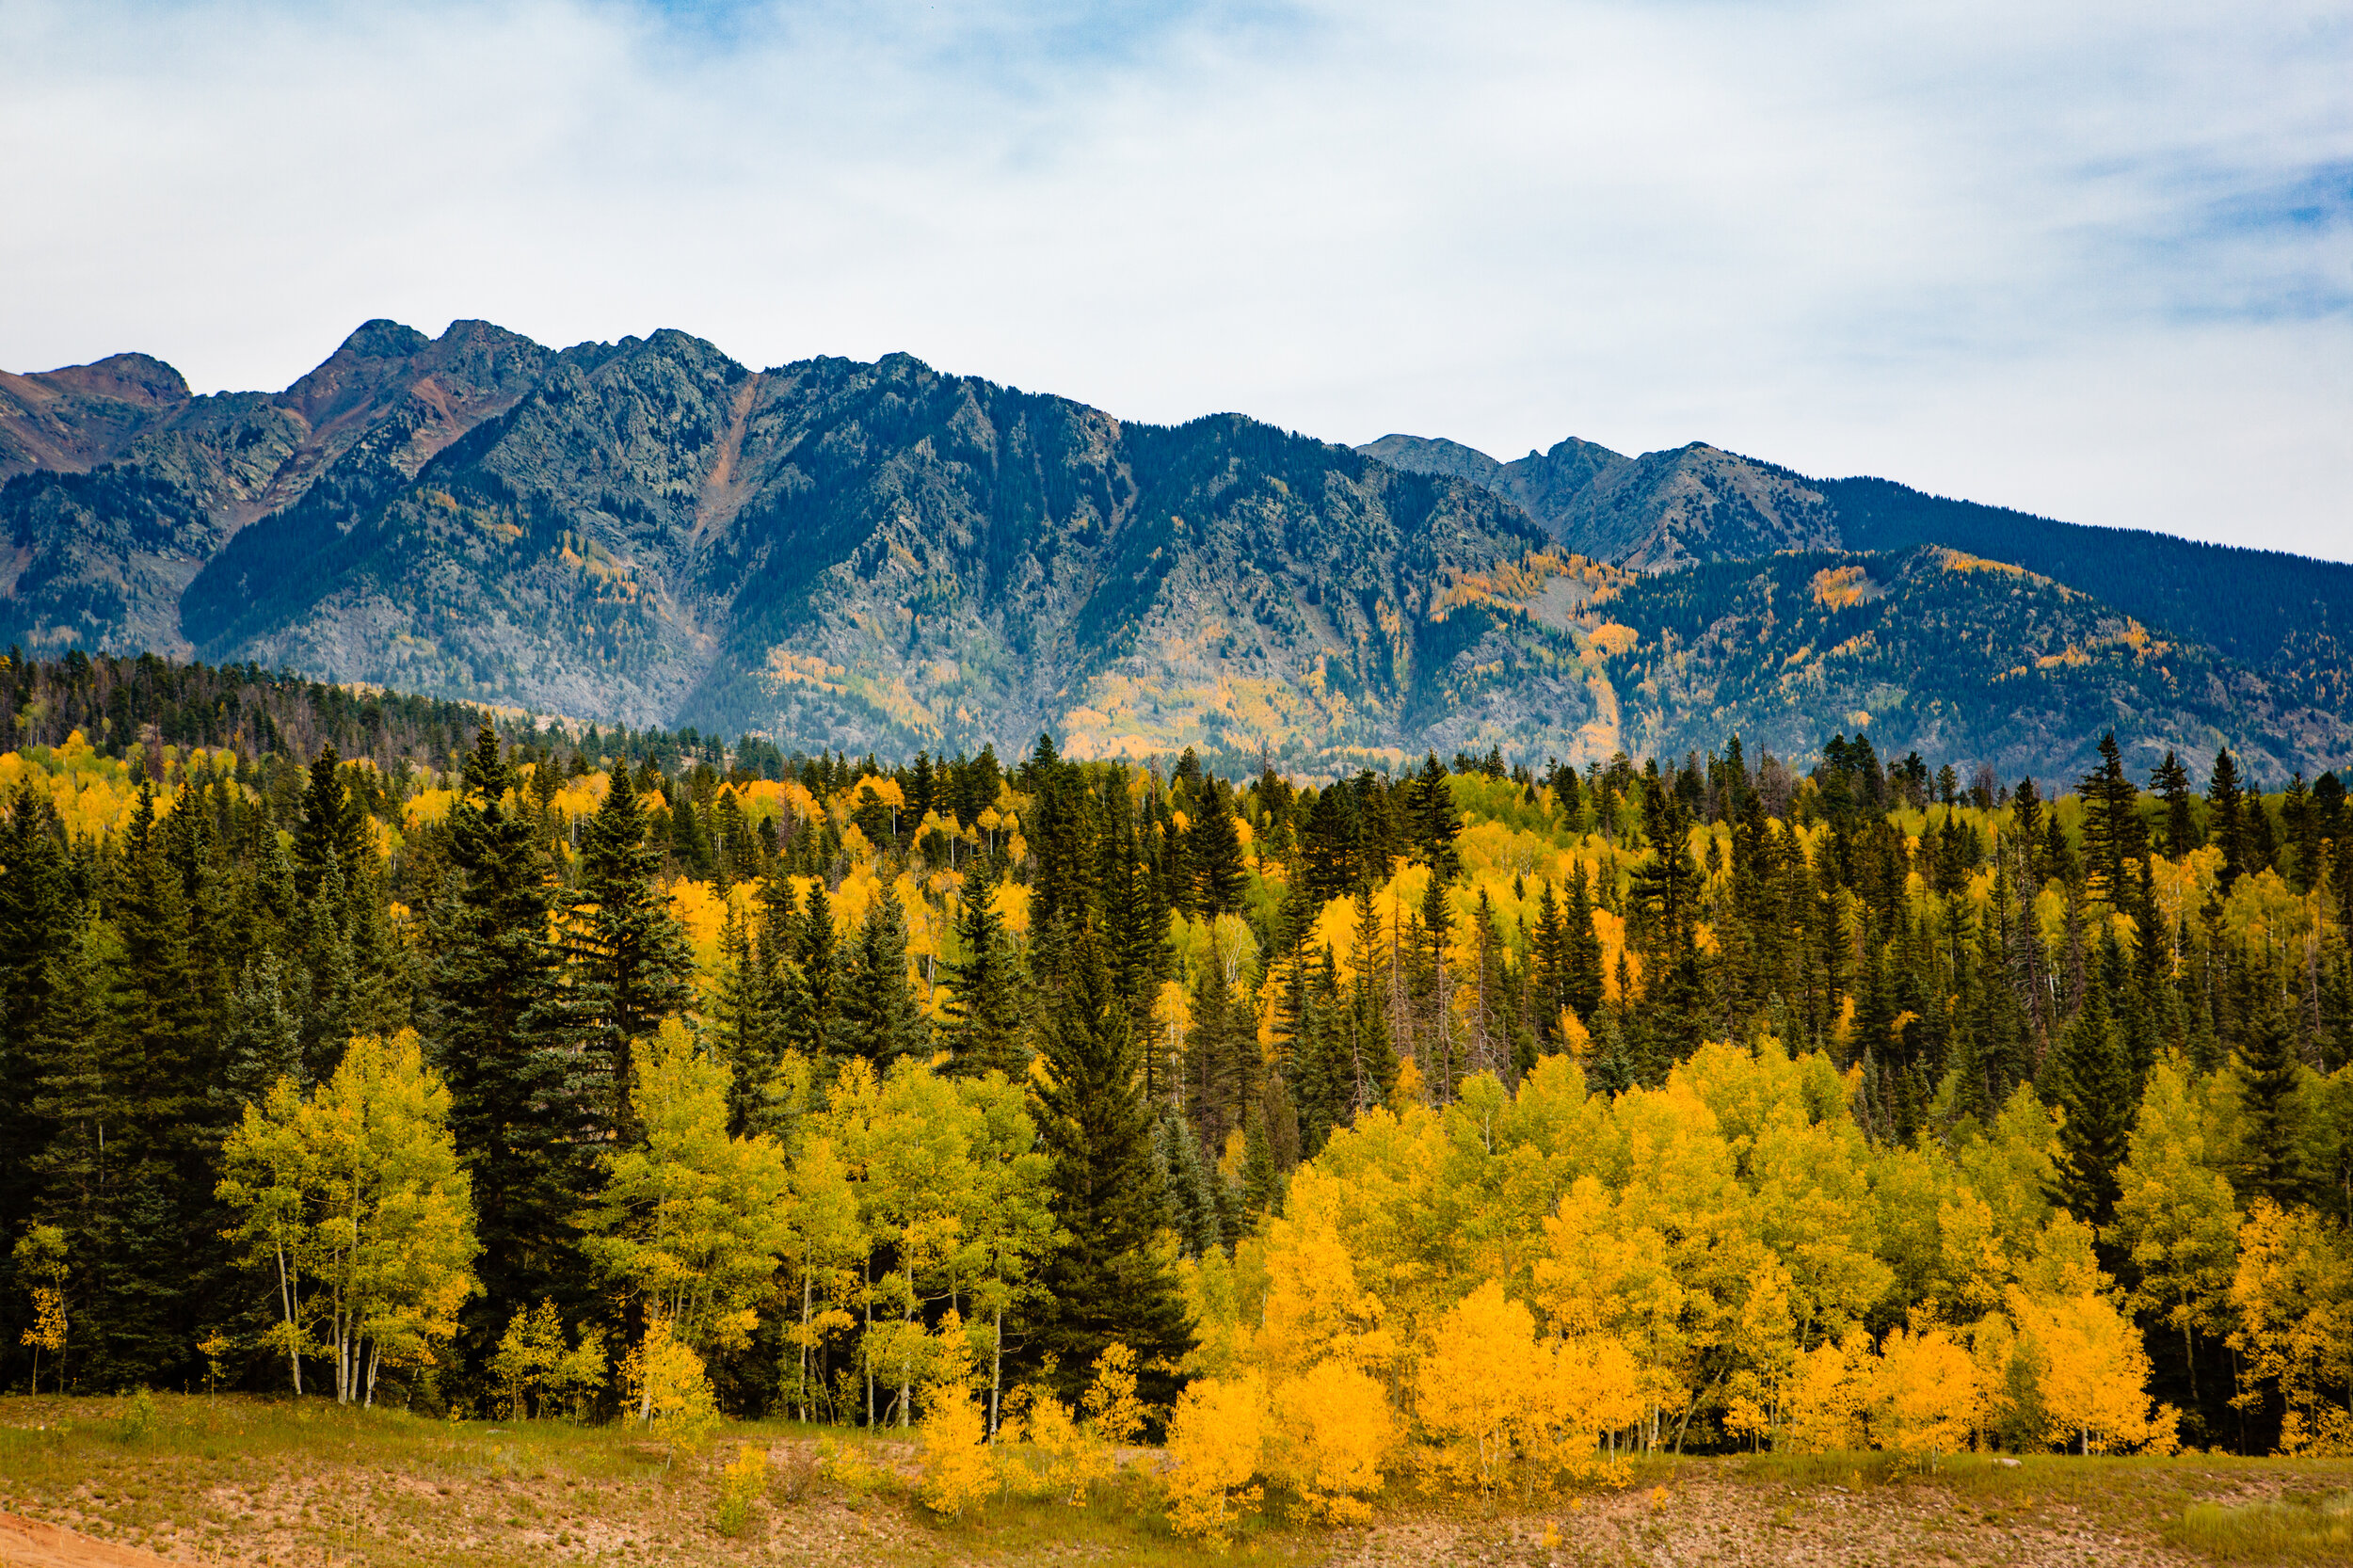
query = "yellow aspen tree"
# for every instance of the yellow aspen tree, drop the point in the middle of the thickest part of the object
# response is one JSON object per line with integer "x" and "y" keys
{"x": 1316, "y": 1308}
{"x": 1112, "y": 1405}
{"x": 666, "y": 1382}
{"x": 1339, "y": 1431}
{"x": 2095, "y": 1373}
{"x": 691, "y": 1221}
{"x": 958, "y": 1469}
{"x": 41, "y": 1257}
{"x": 1593, "y": 1388}
{"x": 824, "y": 1248}
{"x": 1822, "y": 1406}
{"x": 1923, "y": 1394}
{"x": 2293, "y": 1291}
{"x": 1007, "y": 1227}
{"x": 1476, "y": 1387}
{"x": 269, "y": 1180}
{"x": 1216, "y": 1440}
{"x": 359, "y": 1189}
{"x": 1765, "y": 1343}
{"x": 2176, "y": 1215}
{"x": 527, "y": 1353}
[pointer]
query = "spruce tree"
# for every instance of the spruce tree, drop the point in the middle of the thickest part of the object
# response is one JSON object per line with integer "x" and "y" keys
{"x": 1105, "y": 1282}
{"x": 2270, "y": 1094}
{"x": 2092, "y": 1084}
{"x": 1432, "y": 822}
{"x": 983, "y": 1011}
{"x": 813, "y": 1025}
{"x": 880, "y": 1021}
{"x": 1213, "y": 850}
{"x": 2170, "y": 779}
{"x": 495, "y": 1020}
{"x": 629, "y": 959}
{"x": 38, "y": 923}
{"x": 2226, "y": 822}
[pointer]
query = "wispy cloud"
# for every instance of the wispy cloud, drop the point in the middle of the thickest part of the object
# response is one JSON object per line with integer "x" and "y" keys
{"x": 2090, "y": 260}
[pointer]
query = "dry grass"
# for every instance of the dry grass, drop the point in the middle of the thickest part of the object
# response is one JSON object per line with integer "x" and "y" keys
{"x": 253, "y": 1482}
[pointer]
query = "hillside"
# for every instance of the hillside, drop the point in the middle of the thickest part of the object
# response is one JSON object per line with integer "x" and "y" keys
{"x": 2285, "y": 616}
{"x": 884, "y": 556}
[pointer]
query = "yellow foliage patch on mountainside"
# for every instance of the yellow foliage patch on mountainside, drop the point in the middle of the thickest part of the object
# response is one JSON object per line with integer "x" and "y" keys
{"x": 1611, "y": 640}
{"x": 1838, "y": 588}
{"x": 787, "y": 668}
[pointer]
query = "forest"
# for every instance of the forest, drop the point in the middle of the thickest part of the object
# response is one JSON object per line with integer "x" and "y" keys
{"x": 1479, "y": 1125}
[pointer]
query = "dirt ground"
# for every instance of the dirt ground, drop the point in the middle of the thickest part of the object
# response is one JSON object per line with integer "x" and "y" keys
{"x": 30, "y": 1543}
{"x": 267, "y": 1484}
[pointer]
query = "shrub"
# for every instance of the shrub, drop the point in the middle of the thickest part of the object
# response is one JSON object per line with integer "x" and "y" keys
{"x": 1215, "y": 1439}
{"x": 740, "y": 1488}
{"x": 958, "y": 1468}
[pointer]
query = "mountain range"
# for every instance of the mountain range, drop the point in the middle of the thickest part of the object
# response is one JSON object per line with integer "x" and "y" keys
{"x": 884, "y": 556}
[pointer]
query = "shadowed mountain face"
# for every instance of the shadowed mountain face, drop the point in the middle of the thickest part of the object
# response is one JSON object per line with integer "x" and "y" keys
{"x": 883, "y": 556}
{"x": 120, "y": 486}
{"x": 1652, "y": 513}
{"x": 2285, "y": 616}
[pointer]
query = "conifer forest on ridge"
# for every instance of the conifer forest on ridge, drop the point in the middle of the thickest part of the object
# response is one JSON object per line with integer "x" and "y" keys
{"x": 1266, "y": 1157}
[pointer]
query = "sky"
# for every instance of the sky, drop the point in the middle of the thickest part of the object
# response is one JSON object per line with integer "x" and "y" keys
{"x": 2092, "y": 260}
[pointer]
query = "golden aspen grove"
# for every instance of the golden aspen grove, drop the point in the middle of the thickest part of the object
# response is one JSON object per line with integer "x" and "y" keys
{"x": 1288, "y": 1154}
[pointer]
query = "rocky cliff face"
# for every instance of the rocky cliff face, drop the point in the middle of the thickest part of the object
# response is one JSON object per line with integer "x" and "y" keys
{"x": 1654, "y": 513}
{"x": 883, "y": 556}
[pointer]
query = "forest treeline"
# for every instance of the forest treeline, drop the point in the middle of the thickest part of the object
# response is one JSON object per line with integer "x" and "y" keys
{"x": 1477, "y": 1121}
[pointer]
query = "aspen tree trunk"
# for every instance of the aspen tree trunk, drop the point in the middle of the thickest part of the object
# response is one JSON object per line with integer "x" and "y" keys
{"x": 805, "y": 1313}
{"x": 285, "y": 1299}
{"x": 906, "y": 1354}
{"x": 996, "y": 1374}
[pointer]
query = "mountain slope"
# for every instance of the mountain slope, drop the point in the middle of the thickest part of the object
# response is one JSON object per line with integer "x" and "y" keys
{"x": 1652, "y": 513}
{"x": 1931, "y": 649}
{"x": 119, "y": 485}
{"x": 2288, "y": 617}
{"x": 883, "y": 556}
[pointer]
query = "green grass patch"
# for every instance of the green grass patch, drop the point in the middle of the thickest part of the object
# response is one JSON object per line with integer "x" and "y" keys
{"x": 2315, "y": 1528}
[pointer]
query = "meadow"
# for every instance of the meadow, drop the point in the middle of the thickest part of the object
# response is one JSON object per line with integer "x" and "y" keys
{"x": 239, "y": 1479}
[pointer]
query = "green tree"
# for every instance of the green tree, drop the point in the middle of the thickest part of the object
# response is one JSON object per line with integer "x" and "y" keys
{"x": 691, "y": 1222}
{"x": 983, "y": 1011}
{"x": 630, "y": 962}
{"x": 2271, "y": 1086}
{"x": 2092, "y": 1084}
{"x": 880, "y": 1020}
{"x": 1106, "y": 1283}
{"x": 500, "y": 1040}
{"x": 2176, "y": 1217}
{"x": 359, "y": 1189}
{"x": 1213, "y": 849}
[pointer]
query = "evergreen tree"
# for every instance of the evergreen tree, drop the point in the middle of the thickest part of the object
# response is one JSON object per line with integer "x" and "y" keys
{"x": 2114, "y": 836}
{"x": 630, "y": 962}
{"x": 2090, "y": 1084}
{"x": 2226, "y": 822}
{"x": 745, "y": 1029}
{"x": 1105, "y": 1284}
{"x": 39, "y": 923}
{"x": 2270, "y": 1085}
{"x": 2171, "y": 780}
{"x": 1433, "y": 823}
{"x": 813, "y": 1026}
{"x": 1213, "y": 849}
{"x": 880, "y": 1021}
{"x": 983, "y": 1011}
{"x": 1581, "y": 984}
{"x": 497, "y": 1027}
{"x": 333, "y": 825}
